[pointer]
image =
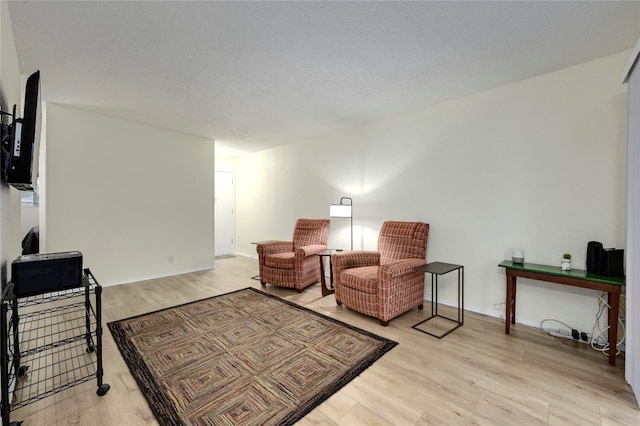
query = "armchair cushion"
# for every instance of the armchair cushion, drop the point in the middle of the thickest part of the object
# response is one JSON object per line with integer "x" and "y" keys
{"x": 280, "y": 260}
{"x": 286, "y": 260}
{"x": 402, "y": 240}
{"x": 344, "y": 260}
{"x": 363, "y": 279}
{"x": 309, "y": 232}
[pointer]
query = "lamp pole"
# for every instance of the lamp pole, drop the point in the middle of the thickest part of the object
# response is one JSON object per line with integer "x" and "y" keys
{"x": 350, "y": 216}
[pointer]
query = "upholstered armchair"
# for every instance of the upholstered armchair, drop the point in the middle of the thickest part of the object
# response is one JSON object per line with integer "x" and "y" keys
{"x": 294, "y": 264}
{"x": 383, "y": 283}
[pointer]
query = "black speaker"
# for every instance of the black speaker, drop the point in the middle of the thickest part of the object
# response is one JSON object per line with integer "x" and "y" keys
{"x": 612, "y": 262}
{"x": 594, "y": 255}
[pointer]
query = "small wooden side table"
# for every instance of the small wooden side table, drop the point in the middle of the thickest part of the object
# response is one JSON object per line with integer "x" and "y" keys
{"x": 436, "y": 269}
{"x": 327, "y": 289}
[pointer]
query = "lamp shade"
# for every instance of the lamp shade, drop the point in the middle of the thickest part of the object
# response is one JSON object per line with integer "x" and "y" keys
{"x": 340, "y": 210}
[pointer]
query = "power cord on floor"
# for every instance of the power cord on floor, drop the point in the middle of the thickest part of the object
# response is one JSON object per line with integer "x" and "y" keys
{"x": 498, "y": 307}
{"x": 549, "y": 330}
{"x": 597, "y": 339}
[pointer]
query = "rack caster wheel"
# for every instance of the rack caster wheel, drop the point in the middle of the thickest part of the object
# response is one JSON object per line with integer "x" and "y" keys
{"x": 90, "y": 349}
{"x": 103, "y": 389}
{"x": 22, "y": 370}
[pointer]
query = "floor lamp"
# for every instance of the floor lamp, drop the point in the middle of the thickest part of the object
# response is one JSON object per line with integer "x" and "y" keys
{"x": 343, "y": 210}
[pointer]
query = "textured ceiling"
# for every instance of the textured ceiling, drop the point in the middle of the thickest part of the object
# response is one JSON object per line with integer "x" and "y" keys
{"x": 252, "y": 75}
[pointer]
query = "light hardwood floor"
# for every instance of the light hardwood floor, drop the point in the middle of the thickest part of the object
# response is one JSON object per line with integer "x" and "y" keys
{"x": 476, "y": 375}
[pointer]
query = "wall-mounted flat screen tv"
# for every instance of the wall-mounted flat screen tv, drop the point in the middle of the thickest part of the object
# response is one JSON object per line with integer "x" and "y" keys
{"x": 22, "y": 172}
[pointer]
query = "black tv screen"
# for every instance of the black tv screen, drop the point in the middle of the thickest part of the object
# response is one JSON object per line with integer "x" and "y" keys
{"x": 23, "y": 168}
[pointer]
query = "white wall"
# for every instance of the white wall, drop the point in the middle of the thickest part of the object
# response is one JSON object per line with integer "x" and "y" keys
{"x": 632, "y": 356}
{"x": 10, "y": 86}
{"x": 225, "y": 163}
{"x": 538, "y": 164}
{"x": 225, "y": 228}
{"x": 30, "y": 217}
{"x": 127, "y": 196}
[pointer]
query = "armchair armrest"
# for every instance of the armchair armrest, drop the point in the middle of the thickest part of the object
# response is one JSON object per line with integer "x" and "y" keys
{"x": 310, "y": 250}
{"x": 398, "y": 268}
{"x": 353, "y": 259}
{"x": 273, "y": 247}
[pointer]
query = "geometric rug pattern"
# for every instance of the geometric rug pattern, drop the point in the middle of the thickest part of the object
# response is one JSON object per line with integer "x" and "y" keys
{"x": 241, "y": 358}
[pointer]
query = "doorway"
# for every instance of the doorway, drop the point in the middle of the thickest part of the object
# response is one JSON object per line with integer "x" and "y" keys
{"x": 224, "y": 213}
{"x": 30, "y": 221}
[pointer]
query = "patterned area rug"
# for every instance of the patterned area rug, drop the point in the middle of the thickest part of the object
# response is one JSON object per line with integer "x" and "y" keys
{"x": 242, "y": 358}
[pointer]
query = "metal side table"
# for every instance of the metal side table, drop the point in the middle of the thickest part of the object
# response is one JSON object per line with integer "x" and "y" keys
{"x": 436, "y": 269}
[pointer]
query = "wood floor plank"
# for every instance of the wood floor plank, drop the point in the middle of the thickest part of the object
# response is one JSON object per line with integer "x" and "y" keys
{"x": 363, "y": 416}
{"x": 331, "y": 411}
{"x": 476, "y": 375}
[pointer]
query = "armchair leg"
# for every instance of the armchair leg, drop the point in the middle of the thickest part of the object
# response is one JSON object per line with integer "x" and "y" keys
{"x": 384, "y": 323}
{"x": 338, "y": 302}
{"x": 420, "y": 306}
{"x": 263, "y": 283}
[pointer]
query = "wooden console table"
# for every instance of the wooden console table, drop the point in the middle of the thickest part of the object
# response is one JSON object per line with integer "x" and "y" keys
{"x": 574, "y": 277}
{"x": 327, "y": 289}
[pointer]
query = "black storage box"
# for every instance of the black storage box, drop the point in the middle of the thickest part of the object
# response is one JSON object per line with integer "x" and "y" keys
{"x": 43, "y": 273}
{"x": 612, "y": 262}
